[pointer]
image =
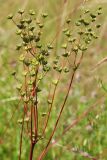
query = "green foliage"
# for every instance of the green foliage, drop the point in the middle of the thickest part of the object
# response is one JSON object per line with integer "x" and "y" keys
{"x": 38, "y": 64}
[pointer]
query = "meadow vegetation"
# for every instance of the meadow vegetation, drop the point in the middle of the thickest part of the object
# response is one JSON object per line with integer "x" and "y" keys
{"x": 53, "y": 80}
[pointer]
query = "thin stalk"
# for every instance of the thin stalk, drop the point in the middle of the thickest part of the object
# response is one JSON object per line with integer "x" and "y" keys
{"x": 21, "y": 135}
{"x": 31, "y": 122}
{"x": 50, "y": 109}
{"x": 63, "y": 105}
{"x": 66, "y": 97}
{"x": 36, "y": 117}
{"x": 35, "y": 106}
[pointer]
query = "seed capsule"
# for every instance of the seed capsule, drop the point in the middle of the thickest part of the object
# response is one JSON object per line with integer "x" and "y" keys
{"x": 98, "y": 25}
{"x": 19, "y": 86}
{"x": 64, "y": 46}
{"x": 68, "y": 34}
{"x": 31, "y": 28}
{"x": 44, "y": 15}
{"x": 18, "y": 47}
{"x": 55, "y": 81}
{"x": 50, "y": 46}
{"x": 39, "y": 45}
{"x": 13, "y": 73}
{"x": 29, "y": 20}
{"x": 66, "y": 54}
{"x": 18, "y": 32}
{"x": 77, "y": 23}
{"x": 32, "y": 12}
{"x": 66, "y": 70}
{"x": 10, "y": 16}
{"x": 68, "y": 21}
{"x": 49, "y": 101}
{"x": 44, "y": 114}
{"x": 22, "y": 57}
{"x": 41, "y": 25}
{"x": 21, "y": 11}
{"x": 93, "y": 15}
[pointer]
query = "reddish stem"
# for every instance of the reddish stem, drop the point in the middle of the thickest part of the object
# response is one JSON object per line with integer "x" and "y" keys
{"x": 31, "y": 151}
{"x": 50, "y": 109}
{"x": 21, "y": 136}
{"x": 63, "y": 105}
{"x": 66, "y": 97}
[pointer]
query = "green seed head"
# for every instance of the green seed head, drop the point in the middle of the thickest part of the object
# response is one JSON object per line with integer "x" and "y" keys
{"x": 20, "y": 121}
{"x": 71, "y": 40}
{"x": 55, "y": 61}
{"x": 81, "y": 32}
{"x": 86, "y": 23}
{"x": 10, "y": 16}
{"x": 21, "y": 11}
{"x": 46, "y": 68}
{"x": 65, "y": 30}
{"x": 75, "y": 48}
{"x": 38, "y": 89}
{"x": 32, "y": 12}
{"x": 31, "y": 28}
{"x": 19, "y": 86}
{"x": 28, "y": 48}
{"x": 28, "y": 21}
{"x": 23, "y": 94}
{"x": 39, "y": 45}
{"x": 22, "y": 57}
{"x": 98, "y": 25}
{"x": 13, "y": 73}
{"x": 49, "y": 101}
{"x": 55, "y": 81}
{"x": 30, "y": 82}
{"x": 22, "y": 21}
{"x": 83, "y": 48}
{"x": 44, "y": 15}
{"x": 37, "y": 38}
{"x": 18, "y": 32}
{"x": 86, "y": 11}
{"x": 94, "y": 19}
{"x": 44, "y": 114}
{"x": 18, "y": 47}
{"x": 21, "y": 26}
{"x": 27, "y": 62}
{"x": 41, "y": 25}
{"x": 93, "y": 15}
{"x": 32, "y": 73}
{"x": 66, "y": 54}
{"x": 50, "y": 46}
{"x": 68, "y": 33}
{"x": 66, "y": 70}
{"x": 59, "y": 69}
{"x": 34, "y": 62}
{"x": 100, "y": 8}
{"x": 77, "y": 23}
{"x": 64, "y": 46}
{"x": 68, "y": 21}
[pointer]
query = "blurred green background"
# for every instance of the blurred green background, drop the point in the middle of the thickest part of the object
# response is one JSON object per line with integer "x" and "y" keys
{"x": 90, "y": 135}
